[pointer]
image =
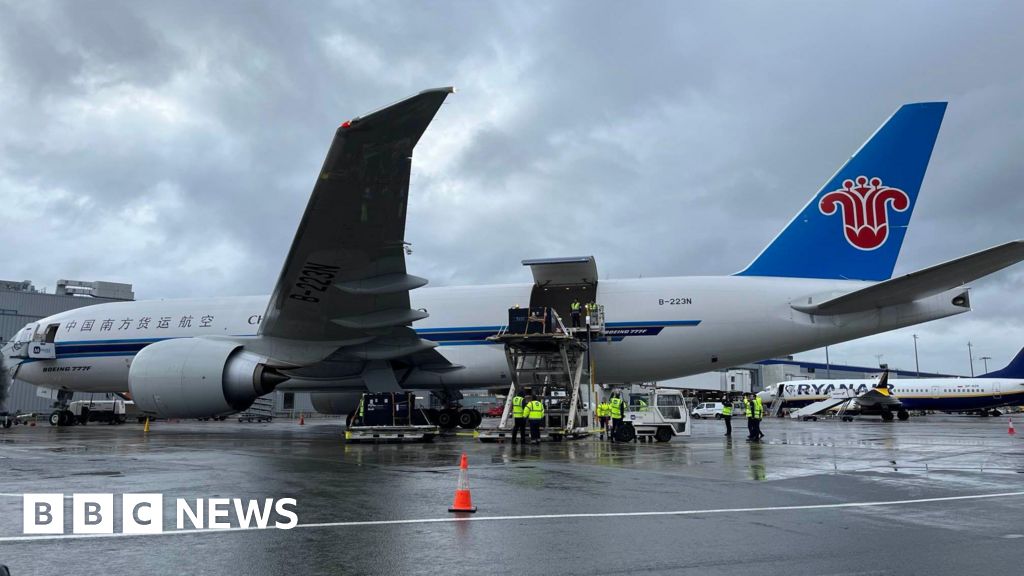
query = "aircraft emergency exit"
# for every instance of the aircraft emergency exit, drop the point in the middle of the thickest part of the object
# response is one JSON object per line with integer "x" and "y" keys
{"x": 345, "y": 315}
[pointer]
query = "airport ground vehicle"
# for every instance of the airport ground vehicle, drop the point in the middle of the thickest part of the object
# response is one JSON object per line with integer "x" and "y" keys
{"x": 82, "y": 412}
{"x": 708, "y": 410}
{"x": 661, "y": 415}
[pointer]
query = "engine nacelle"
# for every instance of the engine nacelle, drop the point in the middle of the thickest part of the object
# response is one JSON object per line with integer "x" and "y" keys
{"x": 198, "y": 378}
{"x": 335, "y": 402}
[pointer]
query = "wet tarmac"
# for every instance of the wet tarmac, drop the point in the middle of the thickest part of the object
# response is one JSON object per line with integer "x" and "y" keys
{"x": 810, "y": 500}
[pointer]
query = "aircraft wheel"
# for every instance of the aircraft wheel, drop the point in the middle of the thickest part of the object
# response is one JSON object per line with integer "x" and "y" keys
{"x": 626, "y": 433}
{"x": 903, "y": 415}
{"x": 664, "y": 434}
{"x": 887, "y": 416}
{"x": 448, "y": 419}
{"x": 847, "y": 418}
{"x": 468, "y": 419}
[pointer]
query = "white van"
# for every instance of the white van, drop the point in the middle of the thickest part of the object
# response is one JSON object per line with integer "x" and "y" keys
{"x": 708, "y": 410}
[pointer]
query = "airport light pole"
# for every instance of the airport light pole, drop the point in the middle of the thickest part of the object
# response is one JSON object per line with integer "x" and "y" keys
{"x": 917, "y": 365}
{"x": 970, "y": 356}
{"x": 828, "y": 365}
{"x": 985, "y": 359}
{"x": 879, "y": 358}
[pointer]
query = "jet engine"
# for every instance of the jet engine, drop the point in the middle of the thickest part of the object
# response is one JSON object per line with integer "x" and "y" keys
{"x": 198, "y": 378}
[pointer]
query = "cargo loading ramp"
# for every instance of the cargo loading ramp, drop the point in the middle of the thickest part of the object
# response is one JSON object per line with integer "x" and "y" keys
{"x": 550, "y": 361}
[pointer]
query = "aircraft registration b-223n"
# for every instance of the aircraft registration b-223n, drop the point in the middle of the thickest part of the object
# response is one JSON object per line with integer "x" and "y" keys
{"x": 346, "y": 316}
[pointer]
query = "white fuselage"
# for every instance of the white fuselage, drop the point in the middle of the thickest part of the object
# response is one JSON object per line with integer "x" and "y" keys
{"x": 658, "y": 328}
{"x": 946, "y": 394}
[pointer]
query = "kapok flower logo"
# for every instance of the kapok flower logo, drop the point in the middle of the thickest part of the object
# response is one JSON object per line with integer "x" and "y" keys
{"x": 864, "y": 204}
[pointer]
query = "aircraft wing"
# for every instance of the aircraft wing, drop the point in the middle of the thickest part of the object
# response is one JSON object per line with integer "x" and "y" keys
{"x": 923, "y": 283}
{"x": 344, "y": 280}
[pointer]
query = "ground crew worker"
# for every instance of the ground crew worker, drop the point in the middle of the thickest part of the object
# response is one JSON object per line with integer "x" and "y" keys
{"x": 641, "y": 405}
{"x": 758, "y": 416}
{"x": 604, "y": 412}
{"x": 748, "y": 409}
{"x": 574, "y": 310}
{"x": 616, "y": 413}
{"x": 591, "y": 308}
{"x": 535, "y": 414}
{"x": 518, "y": 418}
{"x": 727, "y": 416}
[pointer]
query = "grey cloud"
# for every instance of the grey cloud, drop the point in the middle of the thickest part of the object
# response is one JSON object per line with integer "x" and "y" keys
{"x": 174, "y": 144}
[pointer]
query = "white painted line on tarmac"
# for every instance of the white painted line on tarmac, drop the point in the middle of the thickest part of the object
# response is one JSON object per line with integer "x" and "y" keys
{"x": 583, "y": 515}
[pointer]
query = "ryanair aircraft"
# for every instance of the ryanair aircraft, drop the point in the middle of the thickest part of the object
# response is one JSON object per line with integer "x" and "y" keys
{"x": 982, "y": 395}
{"x": 345, "y": 315}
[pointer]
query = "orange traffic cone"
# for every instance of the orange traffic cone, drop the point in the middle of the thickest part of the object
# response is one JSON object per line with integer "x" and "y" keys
{"x": 302, "y": 419}
{"x": 1011, "y": 431}
{"x": 463, "y": 501}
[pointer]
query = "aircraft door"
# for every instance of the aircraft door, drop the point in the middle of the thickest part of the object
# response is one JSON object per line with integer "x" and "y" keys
{"x": 21, "y": 340}
{"x": 997, "y": 391}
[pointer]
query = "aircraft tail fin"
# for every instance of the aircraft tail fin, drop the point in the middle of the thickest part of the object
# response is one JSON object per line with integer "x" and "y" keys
{"x": 854, "y": 226}
{"x": 1015, "y": 369}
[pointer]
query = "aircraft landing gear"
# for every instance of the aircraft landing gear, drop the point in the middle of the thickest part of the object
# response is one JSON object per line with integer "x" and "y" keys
{"x": 62, "y": 417}
{"x": 903, "y": 415}
{"x": 469, "y": 419}
{"x": 454, "y": 416}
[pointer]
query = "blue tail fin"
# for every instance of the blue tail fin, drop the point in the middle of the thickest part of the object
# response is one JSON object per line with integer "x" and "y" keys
{"x": 853, "y": 227}
{"x": 1015, "y": 369}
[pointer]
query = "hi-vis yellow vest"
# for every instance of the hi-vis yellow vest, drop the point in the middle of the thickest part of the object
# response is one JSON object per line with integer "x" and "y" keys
{"x": 616, "y": 406}
{"x": 534, "y": 410}
{"x": 603, "y": 409}
{"x": 517, "y": 406}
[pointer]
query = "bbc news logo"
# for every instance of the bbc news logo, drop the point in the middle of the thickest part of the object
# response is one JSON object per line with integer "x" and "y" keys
{"x": 144, "y": 513}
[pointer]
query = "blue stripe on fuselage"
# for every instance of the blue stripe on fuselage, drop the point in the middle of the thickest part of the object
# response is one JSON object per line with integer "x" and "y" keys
{"x": 448, "y": 336}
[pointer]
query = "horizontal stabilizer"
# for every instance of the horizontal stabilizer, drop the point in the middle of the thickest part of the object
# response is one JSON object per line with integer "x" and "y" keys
{"x": 923, "y": 283}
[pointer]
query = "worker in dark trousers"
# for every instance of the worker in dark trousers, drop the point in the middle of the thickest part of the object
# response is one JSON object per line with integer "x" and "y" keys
{"x": 518, "y": 418}
{"x": 604, "y": 411}
{"x": 617, "y": 412}
{"x": 758, "y": 416}
{"x": 727, "y": 416}
{"x": 534, "y": 412}
{"x": 748, "y": 410}
{"x": 574, "y": 311}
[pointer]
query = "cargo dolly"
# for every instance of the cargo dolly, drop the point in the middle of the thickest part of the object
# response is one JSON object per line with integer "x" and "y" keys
{"x": 390, "y": 417}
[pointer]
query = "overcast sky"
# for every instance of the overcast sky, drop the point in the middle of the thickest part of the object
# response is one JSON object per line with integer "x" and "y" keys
{"x": 173, "y": 145}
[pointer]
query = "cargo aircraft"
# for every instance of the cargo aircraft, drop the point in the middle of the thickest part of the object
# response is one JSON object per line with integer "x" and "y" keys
{"x": 887, "y": 397}
{"x": 345, "y": 315}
